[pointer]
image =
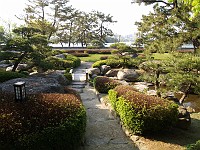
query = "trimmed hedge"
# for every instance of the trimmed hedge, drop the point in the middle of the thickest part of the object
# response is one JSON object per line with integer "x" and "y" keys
{"x": 80, "y": 54}
{"x": 6, "y": 75}
{"x": 142, "y": 113}
{"x": 44, "y": 121}
{"x": 104, "y": 84}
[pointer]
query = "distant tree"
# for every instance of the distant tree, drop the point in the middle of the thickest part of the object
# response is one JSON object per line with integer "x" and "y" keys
{"x": 67, "y": 25}
{"x": 102, "y": 31}
{"x": 2, "y": 35}
{"x": 30, "y": 45}
{"x": 44, "y": 14}
{"x": 193, "y": 4}
{"x": 165, "y": 29}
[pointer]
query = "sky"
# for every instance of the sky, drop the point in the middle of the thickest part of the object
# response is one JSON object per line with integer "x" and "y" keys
{"x": 125, "y": 13}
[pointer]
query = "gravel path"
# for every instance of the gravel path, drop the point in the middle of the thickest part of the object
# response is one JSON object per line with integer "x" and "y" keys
{"x": 103, "y": 132}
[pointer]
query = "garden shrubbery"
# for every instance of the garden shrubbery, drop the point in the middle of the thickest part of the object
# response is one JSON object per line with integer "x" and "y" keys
{"x": 142, "y": 113}
{"x": 43, "y": 121}
{"x": 6, "y": 75}
{"x": 115, "y": 62}
{"x": 104, "y": 84}
{"x": 61, "y": 64}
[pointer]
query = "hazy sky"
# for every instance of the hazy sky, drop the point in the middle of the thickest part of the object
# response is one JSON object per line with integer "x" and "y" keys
{"x": 122, "y": 11}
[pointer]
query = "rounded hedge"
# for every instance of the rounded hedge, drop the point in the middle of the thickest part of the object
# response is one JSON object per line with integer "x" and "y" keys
{"x": 44, "y": 121}
{"x": 142, "y": 113}
{"x": 104, "y": 84}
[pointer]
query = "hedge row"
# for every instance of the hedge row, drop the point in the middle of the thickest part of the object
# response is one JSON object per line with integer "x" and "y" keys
{"x": 89, "y": 51}
{"x": 142, "y": 113}
{"x": 104, "y": 84}
{"x": 44, "y": 121}
{"x": 80, "y": 54}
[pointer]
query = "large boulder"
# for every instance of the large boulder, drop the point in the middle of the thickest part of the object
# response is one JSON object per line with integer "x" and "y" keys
{"x": 112, "y": 73}
{"x": 184, "y": 119}
{"x": 59, "y": 76}
{"x": 34, "y": 85}
{"x": 129, "y": 75}
{"x": 104, "y": 69}
{"x": 92, "y": 71}
{"x": 141, "y": 86}
{"x": 19, "y": 67}
{"x": 62, "y": 56}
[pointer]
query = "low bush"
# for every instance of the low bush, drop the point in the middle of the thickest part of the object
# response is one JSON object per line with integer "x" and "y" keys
{"x": 104, "y": 84}
{"x": 99, "y": 63}
{"x": 195, "y": 146}
{"x": 76, "y": 61}
{"x": 61, "y": 64}
{"x": 6, "y": 75}
{"x": 142, "y": 113}
{"x": 43, "y": 121}
{"x": 68, "y": 76}
{"x": 117, "y": 45}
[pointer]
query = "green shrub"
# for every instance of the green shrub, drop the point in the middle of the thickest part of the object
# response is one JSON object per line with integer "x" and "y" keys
{"x": 117, "y": 45}
{"x": 104, "y": 84}
{"x": 195, "y": 146}
{"x": 6, "y": 75}
{"x": 68, "y": 76}
{"x": 113, "y": 63}
{"x": 142, "y": 113}
{"x": 99, "y": 63}
{"x": 61, "y": 64}
{"x": 76, "y": 61}
{"x": 44, "y": 121}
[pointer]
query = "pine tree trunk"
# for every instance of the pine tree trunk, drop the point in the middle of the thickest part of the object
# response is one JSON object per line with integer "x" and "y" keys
{"x": 185, "y": 94}
{"x": 18, "y": 61}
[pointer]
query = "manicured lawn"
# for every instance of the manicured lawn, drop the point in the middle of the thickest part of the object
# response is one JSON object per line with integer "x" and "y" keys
{"x": 93, "y": 57}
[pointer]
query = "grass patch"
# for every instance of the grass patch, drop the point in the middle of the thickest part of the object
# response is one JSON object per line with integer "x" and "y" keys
{"x": 93, "y": 57}
{"x": 159, "y": 56}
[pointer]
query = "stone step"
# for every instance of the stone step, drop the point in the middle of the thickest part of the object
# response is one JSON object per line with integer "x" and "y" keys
{"x": 78, "y": 83}
{"x": 78, "y": 86}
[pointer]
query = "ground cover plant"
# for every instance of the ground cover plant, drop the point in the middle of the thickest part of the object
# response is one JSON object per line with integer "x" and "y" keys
{"x": 142, "y": 113}
{"x": 43, "y": 121}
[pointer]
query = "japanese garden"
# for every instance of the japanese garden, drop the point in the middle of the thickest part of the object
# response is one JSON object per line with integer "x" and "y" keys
{"x": 86, "y": 95}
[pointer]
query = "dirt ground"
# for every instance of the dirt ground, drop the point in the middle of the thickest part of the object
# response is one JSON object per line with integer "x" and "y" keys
{"x": 176, "y": 139}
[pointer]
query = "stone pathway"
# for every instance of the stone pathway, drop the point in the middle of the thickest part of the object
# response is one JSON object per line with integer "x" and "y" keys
{"x": 103, "y": 132}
